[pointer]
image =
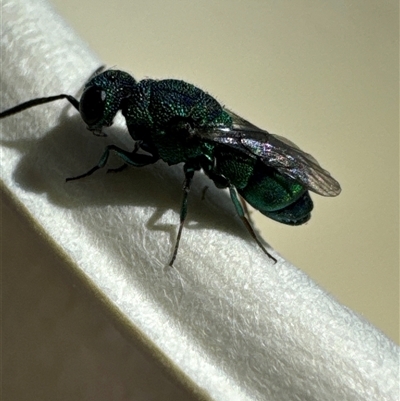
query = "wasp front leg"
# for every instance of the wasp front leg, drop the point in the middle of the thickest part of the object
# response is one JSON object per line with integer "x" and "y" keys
{"x": 132, "y": 158}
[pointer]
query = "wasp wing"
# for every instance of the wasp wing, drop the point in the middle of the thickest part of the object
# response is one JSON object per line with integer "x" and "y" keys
{"x": 277, "y": 152}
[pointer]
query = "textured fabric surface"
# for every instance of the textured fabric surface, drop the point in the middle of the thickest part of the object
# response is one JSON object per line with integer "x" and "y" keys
{"x": 237, "y": 326}
{"x": 57, "y": 343}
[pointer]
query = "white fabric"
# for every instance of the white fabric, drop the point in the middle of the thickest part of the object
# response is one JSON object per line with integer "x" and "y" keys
{"x": 226, "y": 318}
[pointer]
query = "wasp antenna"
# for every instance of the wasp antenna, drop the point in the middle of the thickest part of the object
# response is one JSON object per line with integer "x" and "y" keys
{"x": 38, "y": 101}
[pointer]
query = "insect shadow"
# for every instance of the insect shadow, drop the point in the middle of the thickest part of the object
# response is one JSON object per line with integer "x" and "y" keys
{"x": 68, "y": 149}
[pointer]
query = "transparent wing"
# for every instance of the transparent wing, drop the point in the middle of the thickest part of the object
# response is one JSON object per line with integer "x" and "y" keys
{"x": 276, "y": 151}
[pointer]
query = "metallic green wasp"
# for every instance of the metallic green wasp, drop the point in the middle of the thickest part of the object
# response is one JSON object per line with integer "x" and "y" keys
{"x": 177, "y": 122}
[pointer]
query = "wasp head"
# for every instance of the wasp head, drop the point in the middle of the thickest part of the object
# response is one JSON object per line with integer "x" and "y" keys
{"x": 102, "y": 98}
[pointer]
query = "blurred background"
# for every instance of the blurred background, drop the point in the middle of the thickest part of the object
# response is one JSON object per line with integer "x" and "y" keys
{"x": 324, "y": 75}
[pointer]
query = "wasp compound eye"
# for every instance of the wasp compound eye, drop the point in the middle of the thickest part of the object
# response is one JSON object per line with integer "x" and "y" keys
{"x": 91, "y": 105}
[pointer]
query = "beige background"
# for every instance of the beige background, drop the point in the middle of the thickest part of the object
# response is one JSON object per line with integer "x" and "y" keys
{"x": 325, "y": 75}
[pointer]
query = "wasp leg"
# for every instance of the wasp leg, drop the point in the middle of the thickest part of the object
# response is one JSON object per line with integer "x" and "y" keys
{"x": 241, "y": 214}
{"x": 246, "y": 211}
{"x": 131, "y": 158}
{"x": 189, "y": 173}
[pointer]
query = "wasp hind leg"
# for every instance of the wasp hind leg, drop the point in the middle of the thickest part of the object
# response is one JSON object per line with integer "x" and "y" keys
{"x": 242, "y": 215}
